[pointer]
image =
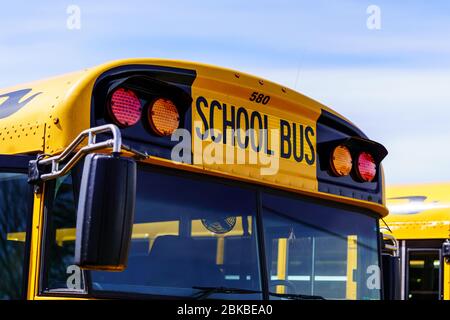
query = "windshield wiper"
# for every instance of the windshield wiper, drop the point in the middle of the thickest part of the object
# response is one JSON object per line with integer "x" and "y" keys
{"x": 207, "y": 291}
{"x": 293, "y": 296}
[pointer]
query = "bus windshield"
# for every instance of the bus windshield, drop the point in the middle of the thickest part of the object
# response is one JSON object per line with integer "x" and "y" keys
{"x": 320, "y": 250}
{"x": 192, "y": 232}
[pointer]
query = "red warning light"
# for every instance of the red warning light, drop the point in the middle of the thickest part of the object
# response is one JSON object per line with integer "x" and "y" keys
{"x": 125, "y": 107}
{"x": 367, "y": 168}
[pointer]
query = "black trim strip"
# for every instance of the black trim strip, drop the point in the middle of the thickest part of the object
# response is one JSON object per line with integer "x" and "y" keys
{"x": 264, "y": 273}
{"x": 329, "y": 119}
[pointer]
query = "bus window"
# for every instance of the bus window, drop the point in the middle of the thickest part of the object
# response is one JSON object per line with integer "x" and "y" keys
{"x": 13, "y": 220}
{"x": 186, "y": 234}
{"x": 200, "y": 234}
{"x": 60, "y": 271}
{"x": 318, "y": 250}
{"x": 423, "y": 274}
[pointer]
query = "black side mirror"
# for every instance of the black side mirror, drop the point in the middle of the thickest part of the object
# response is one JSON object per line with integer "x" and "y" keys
{"x": 105, "y": 212}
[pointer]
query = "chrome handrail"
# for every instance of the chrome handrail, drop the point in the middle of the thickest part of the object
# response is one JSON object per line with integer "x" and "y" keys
{"x": 91, "y": 134}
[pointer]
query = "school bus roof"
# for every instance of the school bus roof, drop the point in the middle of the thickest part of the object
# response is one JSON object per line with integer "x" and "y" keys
{"x": 46, "y": 115}
{"x": 419, "y": 211}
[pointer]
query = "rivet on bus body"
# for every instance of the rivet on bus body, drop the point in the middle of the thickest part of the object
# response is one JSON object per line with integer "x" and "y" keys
{"x": 283, "y": 89}
{"x": 55, "y": 121}
{"x": 261, "y": 82}
{"x": 237, "y": 75}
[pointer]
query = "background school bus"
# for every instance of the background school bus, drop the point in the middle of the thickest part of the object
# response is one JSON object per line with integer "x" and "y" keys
{"x": 420, "y": 220}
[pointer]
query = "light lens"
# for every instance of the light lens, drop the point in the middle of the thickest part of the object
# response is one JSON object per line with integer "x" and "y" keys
{"x": 125, "y": 107}
{"x": 341, "y": 161}
{"x": 367, "y": 167}
{"x": 163, "y": 117}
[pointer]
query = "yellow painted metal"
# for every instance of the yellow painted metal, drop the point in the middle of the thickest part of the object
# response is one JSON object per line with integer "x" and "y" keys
{"x": 220, "y": 250}
{"x": 419, "y": 211}
{"x": 352, "y": 265}
{"x": 446, "y": 274}
{"x": 35, "y": 248}
{"x": 231, "y": 92}
{"x": 282, "y": 263}
{"x": 25, "y": 130}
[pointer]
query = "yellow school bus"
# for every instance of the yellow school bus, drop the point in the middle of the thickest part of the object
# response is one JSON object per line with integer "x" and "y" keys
{"x": 151, "y": 178}
{"x": 419, "y": 218}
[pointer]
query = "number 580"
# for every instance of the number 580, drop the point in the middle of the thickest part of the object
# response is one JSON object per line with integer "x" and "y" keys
{"x": 259, "y": 98}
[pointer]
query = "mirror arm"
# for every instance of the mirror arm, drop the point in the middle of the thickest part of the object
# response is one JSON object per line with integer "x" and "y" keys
{"x": 37, "y": 173}
{"x": 390, "y": 244}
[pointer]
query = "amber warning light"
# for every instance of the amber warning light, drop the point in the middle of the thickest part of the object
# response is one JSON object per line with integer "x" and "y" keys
{"x": 341, "y": 161}
{"x": 163, "y": 117}
{"x": 353, "y": 159}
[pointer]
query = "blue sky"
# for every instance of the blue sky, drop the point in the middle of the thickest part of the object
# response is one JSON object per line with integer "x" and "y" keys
{"x": 394, "y": 83}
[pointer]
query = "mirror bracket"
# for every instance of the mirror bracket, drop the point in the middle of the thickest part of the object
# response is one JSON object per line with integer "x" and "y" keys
{"x": 43, "y": 169}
